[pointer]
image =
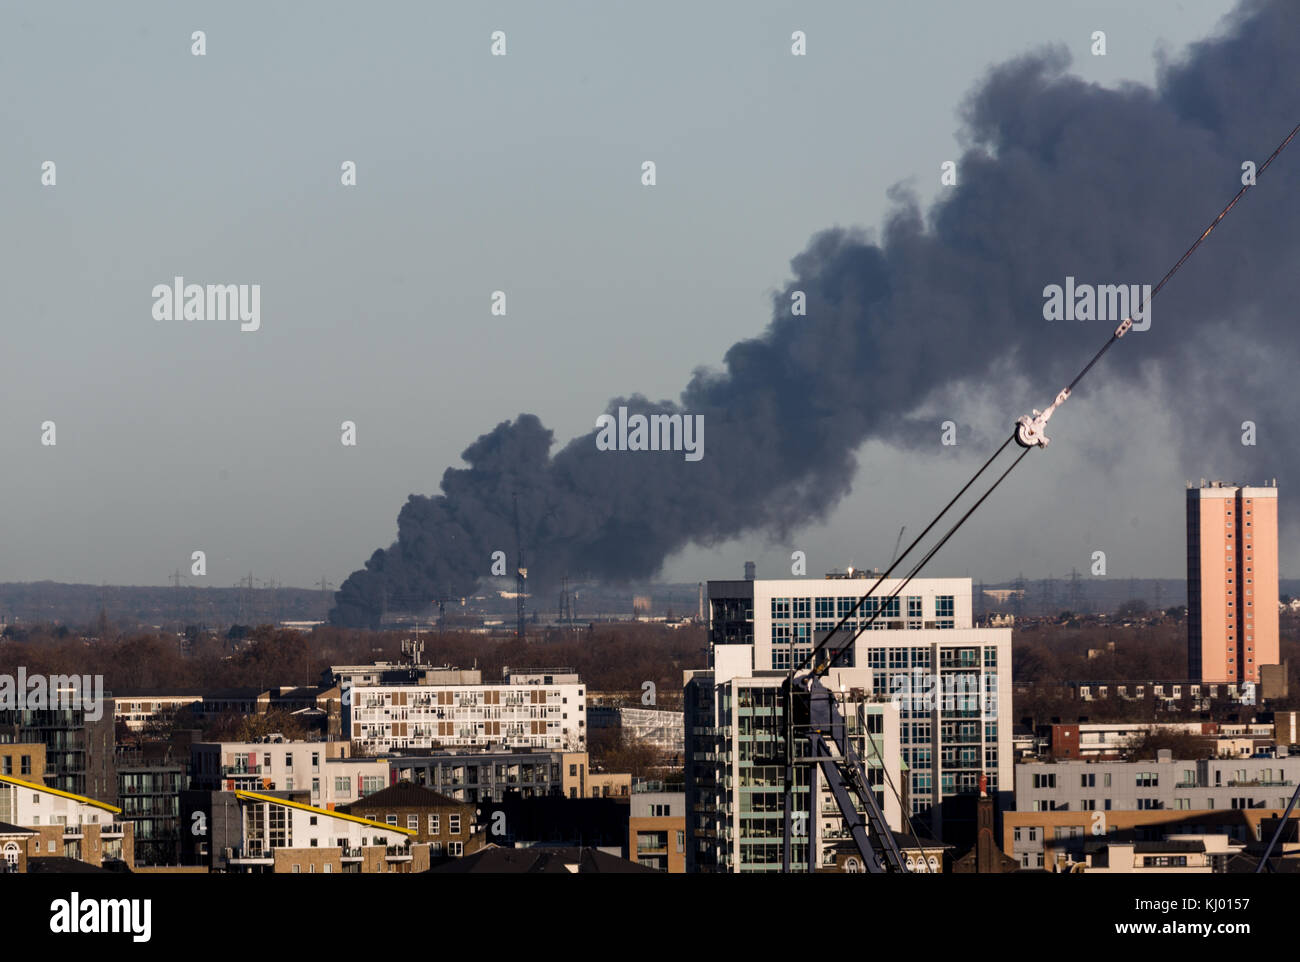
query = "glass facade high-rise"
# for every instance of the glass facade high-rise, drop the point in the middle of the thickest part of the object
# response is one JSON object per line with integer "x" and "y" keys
{"x": 947, "y": 683}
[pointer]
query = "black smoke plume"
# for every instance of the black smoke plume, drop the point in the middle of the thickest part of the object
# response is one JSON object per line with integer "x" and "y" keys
{"x": 1059, "y": 177}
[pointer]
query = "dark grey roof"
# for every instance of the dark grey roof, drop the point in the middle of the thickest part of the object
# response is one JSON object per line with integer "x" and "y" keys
{"x": 1175, "y": 845}
{"x": 58, "y": 865}
{"x": 550, "y": 861}
{"x": 906, "y": 841}
{"x": 406, "y": 795}
{"x": 7, "y": 829}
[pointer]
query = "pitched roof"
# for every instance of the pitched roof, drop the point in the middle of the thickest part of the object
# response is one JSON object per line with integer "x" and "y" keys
{"x": 8, "y": 829}
{"x": 259, "y": 797}
{"x": 58, "y": 865}
{"x": 9, "y": 779}
{"x": 540, "y": 860}
{"x": 405, "y": 795}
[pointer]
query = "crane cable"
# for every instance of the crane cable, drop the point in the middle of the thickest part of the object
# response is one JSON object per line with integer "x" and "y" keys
{"x": 1039, "y": 441}
{"x": 1028, "y": 434}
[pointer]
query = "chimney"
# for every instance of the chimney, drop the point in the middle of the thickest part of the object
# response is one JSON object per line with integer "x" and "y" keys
{"x": 749, "y": 571}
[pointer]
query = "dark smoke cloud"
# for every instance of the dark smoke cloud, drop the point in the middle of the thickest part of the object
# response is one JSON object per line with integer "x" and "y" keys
{"x": 1059, "y": 177}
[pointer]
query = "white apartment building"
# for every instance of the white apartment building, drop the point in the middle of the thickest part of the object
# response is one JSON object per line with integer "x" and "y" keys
{"x": 321, "y": 768}
{"x": 270, "y": 825}
{"x": 735, "y": 782}
{"x": 64, "y": 822}
{"x": 952, "y": 681}
{"x": 526, "y": 712}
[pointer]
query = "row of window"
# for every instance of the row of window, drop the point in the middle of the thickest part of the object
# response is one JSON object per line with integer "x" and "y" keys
{"x": 945, "y": 606}
{"x": 413, "y": 821}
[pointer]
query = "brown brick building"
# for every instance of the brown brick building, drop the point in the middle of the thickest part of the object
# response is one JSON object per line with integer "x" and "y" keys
{"x": 447, "y": 825}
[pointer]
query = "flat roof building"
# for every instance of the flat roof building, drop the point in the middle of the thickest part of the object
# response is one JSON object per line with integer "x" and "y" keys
{"x": 1232, "y": 581}
{"x": 952, "y": 681}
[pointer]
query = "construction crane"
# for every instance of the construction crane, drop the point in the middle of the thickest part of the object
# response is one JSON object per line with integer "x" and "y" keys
{"x": 815, "y": 733}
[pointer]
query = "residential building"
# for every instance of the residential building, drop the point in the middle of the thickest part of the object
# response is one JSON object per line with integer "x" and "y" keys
{"x": 609, "y": 784}
{"x": 921, "y": 642}
{"x": 735, "y": 776}
{"x": 447, "y": 826}
{"x": 1232, "y": 581}
{"x": 141, "y": 708}
{"x": 520, "y": 714}
{"x": 1173, "y": 855}
{"x": 1057, "y": 841}
{"x": 14, "y": 842}
{"x": 149, "y": 792}
{"x": 276, "y": 764}
{"x": 282, "y": 836}
{"x": 214, "y": 824}
{"x": 489, "y": 776}
{"x": 1164, "y": 783}
{"x": 656, "y": 831}
{"x": 78, "y": 749}
{"x": 65, "y": 824}
{"x": 342, "y": 781}
{"x": 1110, "y": 741}
{"x": 23, "y": 759}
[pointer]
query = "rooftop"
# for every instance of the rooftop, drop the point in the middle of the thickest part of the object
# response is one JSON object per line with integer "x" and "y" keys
{"x": 538, "y": 861}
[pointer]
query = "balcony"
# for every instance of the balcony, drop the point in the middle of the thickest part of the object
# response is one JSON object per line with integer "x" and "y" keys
{"x": 241, "y": 770}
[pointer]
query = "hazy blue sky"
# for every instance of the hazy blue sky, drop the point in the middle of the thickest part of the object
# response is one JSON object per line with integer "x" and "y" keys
{"x": 478, "y": 173}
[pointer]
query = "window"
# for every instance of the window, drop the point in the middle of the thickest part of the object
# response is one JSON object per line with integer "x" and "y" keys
{"x": 343, "y": 784}
{"x": 1148, "y": 779}
{"x": 433, "y": 824}
{"x": 455, "y": 849}
{"x": 453, "y": 824}
{"x": 1088, "y": 780}
{"x": 1044, "y": 781}
{"x": 1163, "y": 861}
{"x": 413, "y": 821}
